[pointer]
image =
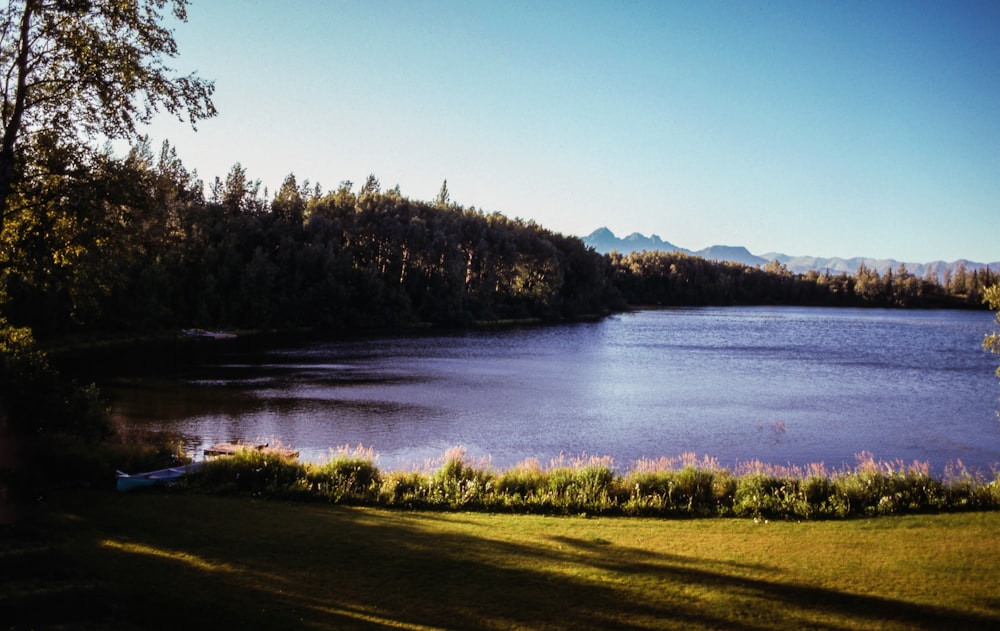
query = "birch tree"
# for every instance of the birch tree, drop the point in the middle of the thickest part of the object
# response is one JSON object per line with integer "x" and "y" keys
{"x": 76, "y": 71}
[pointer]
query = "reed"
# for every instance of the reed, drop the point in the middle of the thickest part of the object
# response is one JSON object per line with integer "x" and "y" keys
{"x": 682, "y": 486}
{"x": 459, "y": 483}
{"x": 253, "y": 472}
{"x": 685, "y": 486}
{"x": 348, "y": 476}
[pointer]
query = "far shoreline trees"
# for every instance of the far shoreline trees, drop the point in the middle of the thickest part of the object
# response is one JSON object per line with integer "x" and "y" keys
{"x": 992, "y": 341}
{"x": 133, "y": 245}
{"x": 156, "y": 254}
{"x": 679, "y": 279}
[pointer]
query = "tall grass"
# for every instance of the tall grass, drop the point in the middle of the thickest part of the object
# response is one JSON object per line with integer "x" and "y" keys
{"x": 349, "y": 475}
{"x": 685, "y": 486}
{"x": 254, "y": 472}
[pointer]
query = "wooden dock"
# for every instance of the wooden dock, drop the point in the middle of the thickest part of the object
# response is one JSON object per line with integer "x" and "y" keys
{"x": 229, "y": 449}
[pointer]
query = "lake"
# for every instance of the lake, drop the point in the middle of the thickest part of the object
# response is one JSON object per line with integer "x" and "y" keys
{"x": 782, "y": 385}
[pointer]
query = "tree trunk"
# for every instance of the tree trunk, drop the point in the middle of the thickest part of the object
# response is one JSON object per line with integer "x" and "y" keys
{"x": 12, "y": 125}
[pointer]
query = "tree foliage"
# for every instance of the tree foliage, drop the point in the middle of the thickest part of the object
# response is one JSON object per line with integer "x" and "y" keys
{"x": 75, "y": 70}
{"x": 992, "y": 298}
{"x": 143, "y": 249}
{"x": 678, "y": 279}
{"x": 132, "y": 243}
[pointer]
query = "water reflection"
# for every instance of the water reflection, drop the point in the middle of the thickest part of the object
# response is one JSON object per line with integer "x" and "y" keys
{"x": 779, "y": 384}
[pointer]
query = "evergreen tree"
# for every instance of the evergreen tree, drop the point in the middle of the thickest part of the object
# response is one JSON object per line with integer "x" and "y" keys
{"x": 443, "y": 199}
{"x": 991, "y": 296}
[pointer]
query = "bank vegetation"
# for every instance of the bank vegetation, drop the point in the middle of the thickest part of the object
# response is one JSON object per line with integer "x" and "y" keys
{"x": 685, "y": 486}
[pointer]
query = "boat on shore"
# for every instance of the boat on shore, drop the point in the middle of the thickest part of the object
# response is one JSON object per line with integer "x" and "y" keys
{"x": 230, "y": 449}
{"x": 170, "y": 475}
{"x": 215, "y": 335}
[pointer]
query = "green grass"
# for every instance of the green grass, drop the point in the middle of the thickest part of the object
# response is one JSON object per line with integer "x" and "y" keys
{"x": 166, "y": 560}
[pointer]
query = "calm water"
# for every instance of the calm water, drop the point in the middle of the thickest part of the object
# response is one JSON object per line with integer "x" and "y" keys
{"x": 783, "y": 385}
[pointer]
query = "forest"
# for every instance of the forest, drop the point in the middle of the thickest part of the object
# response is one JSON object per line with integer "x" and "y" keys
{"x": 135, "y": 244}
{"x": 678, "y": 279}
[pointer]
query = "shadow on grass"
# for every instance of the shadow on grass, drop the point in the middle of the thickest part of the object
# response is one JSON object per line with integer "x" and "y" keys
{"x": 168, "y": 560}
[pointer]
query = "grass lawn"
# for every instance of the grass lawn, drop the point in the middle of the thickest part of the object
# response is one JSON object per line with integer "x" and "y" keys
{"x": 169, "y": 561}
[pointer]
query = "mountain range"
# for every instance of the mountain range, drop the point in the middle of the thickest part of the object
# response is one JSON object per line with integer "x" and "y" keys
{"x": 604, "y": 241}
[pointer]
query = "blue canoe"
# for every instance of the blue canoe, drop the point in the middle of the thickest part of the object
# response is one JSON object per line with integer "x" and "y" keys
{"x": 130, "y": 482}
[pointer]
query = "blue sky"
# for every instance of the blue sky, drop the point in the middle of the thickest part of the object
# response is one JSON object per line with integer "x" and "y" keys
{"x": 806, "y": 127}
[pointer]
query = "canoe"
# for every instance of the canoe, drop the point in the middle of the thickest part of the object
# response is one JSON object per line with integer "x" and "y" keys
{"x": 215, "y": 335}
{"x": 230, "y": 449}
{"x": 130, "y": 482}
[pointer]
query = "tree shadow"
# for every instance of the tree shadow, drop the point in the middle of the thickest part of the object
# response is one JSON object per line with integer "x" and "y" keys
{"x": 867, "y": 610}
{"x": 270, "y": 565}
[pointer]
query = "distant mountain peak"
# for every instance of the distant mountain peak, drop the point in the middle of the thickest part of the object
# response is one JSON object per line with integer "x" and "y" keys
{"x": 604, "y": 241}
{"x": 601, "y": 233}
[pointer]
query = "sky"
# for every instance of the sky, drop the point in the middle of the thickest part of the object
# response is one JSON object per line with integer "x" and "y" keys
{"x": 821, "y": 128}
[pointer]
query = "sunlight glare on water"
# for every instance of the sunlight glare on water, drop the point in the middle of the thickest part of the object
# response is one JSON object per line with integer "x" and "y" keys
{"x": 783, "y": 385}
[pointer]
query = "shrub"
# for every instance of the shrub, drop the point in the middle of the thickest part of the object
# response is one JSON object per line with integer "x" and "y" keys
{"x": 404, "y": 488}
{"x": 585, "y": 484}
{"x": 968, "y": 491}
{"x": 523, "y": 482}
{"x": 681, "y": 486}
{"x": 684, "y": 486}
{"x": 887, "y": 488}
{"x": 348, "y": 476}
{"x": 759, "y": 495}
{"x": 251, "y": 472}
{"x": 820, "y": 496}
{"x": 37, "y": 400}
{"x": 458, "y": 483}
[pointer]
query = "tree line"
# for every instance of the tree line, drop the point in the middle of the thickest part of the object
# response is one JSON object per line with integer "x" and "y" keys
{"x": 133, "y": 243}
{"x": 679, "y": 279}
